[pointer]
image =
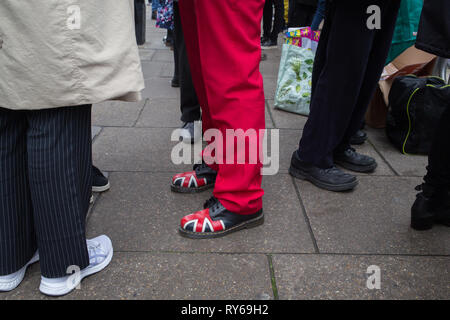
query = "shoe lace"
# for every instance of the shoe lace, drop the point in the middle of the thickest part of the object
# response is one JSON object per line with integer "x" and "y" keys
{"x": 198, "y": 167}
{"x": 96, "y": 252}
{"x": 211, "y": 202}
{"x": 333, "y": 169}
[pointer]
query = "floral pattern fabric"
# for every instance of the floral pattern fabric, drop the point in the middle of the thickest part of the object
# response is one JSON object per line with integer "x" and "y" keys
{"x": 165, "y": 15}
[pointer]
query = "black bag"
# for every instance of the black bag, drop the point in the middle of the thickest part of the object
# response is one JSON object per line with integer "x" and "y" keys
{"x": 415, "y": 107}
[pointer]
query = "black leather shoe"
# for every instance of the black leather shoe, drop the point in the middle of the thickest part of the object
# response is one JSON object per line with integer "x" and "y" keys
{"x": 358, "y": 138}
{"x": 352, "y": 160}
{"x": 198, "y": 180}
{"x": 431, "y": 207}
{"x": 332, "y": 179}
{"x": 175, "y": 83}
{"x": 100, "y": 183}
{"x": 216, "y": 221}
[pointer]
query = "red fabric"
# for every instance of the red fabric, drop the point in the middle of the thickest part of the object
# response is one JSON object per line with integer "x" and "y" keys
{"x": 223, "y": 44}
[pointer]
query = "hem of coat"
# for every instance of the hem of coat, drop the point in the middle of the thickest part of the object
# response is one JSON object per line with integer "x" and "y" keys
{"x": 440, "y": 52}
{"x": 132, "y": 96}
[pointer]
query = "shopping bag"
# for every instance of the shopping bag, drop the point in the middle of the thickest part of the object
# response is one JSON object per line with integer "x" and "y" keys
{"x": 293, "y": 92}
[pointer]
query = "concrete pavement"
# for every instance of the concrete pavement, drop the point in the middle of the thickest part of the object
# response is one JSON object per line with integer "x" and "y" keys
{"x": 314, "y": 244}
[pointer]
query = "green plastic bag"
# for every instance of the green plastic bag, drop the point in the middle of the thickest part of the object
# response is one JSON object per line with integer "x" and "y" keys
{"x": 294, "y": 80}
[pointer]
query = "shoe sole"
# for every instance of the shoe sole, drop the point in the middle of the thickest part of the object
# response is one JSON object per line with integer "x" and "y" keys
{"x": 179, "y": 189}
{"x": 102, "y": 188}
{"x": 356, "y": 168}
{"x": 6, "y": 287}
{"x": 269, "y": 48}
{"x": 297, "y": 173}
{"x": 58, "y": 291}
{"x": 211, "y": 235}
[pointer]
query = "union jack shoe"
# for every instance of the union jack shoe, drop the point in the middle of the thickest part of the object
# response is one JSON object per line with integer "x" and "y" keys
{"x": 198, "y": 180}
{"x": 216, "y": 221}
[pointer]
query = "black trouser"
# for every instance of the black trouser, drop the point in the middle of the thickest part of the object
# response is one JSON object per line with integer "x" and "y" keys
{"x": 45, "y": 187}
{"x": 190, "y": 107}
{"x": 278, "y": 23}
{"x": 348, "y": 65}
{"x": 438, "y": 174}
{"x": 300, "y": 15}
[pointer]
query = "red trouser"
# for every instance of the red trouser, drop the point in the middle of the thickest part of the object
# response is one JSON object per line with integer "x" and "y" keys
{"x": 223, "y": 44}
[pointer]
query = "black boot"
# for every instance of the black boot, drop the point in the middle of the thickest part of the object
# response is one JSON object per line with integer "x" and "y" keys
{"x": 432, "y": 206}
{"x": 359, "y": 137}
{"x": 332, "y": 179}
{"x": 354, "y": 161}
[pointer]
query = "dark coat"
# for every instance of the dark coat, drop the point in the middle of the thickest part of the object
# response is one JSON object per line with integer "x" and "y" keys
{"x": 434, "y": 28}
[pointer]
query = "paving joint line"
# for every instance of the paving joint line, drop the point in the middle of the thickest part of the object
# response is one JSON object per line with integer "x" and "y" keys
{"x": 305, "y": 216}
{"x": 273, "y": 280}
{"x": 382, "y": 157}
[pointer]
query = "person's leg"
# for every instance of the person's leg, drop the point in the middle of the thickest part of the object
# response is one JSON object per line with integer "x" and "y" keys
{"x": 203, "y": 176}
{"x": 234, "y": 87}
{"x": 377, "y": 58}
{"x": 190, "y": 106}
{"x": 278, "y": 23}
{"x": 438, "y": 170}
{"x": 176, "y": 61}
{"x": 60, "y": 175}
{"x": 267, "y": 18}
{"x": 334, "y": 100}
{"x": 321, "y": 53}
{"x": 17, "y": 236}
{"x": 432, "y": 205}
{"x": 319, "y": 15}
{"x": 189, "y": 19}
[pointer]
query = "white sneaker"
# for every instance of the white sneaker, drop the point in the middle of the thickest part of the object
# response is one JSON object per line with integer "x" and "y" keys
{"x": 12, "y": 281}
{"x": 191, "y": 132}
{"x": 100, "y": 255}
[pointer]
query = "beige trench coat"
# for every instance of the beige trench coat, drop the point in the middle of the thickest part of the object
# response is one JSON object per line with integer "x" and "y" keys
{"x": 56, "y": 53}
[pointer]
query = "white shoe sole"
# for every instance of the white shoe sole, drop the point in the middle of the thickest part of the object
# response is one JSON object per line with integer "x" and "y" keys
{"x": 102, "y": 188}
{"x": 269, "y": 48}
{"x": 61, "y": 289}
{"x": 14, "y": 283}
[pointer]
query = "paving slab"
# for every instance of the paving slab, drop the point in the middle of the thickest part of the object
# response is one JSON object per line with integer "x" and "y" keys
{"x": 269, "y": 69}
{"x": 116, "y": 113}
{"x": 95, "y": 130}
{"x": 154, "y": 41}
{"x": 290, "y": 138}
{"x": 405, "y": 165}
{"x": 373, "y": 219}
{"x": 163, "y": 56}
{"x": 166, "y": 113}
{"x": 140, "y": 213}
{"x": 161, "y": 113}
{"x": 166, "y": 276}
{"x": 346, "y": 277}
{"x": 134, "y": 149}
{"x": 286, "y": 120}
{"x": 159, "y": 88}
{"x": 146, "y": 54}
{"x": 151, "y": 69}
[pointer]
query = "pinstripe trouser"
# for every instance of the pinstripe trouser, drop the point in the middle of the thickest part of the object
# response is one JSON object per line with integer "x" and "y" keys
{"x": 45, "y": 187}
